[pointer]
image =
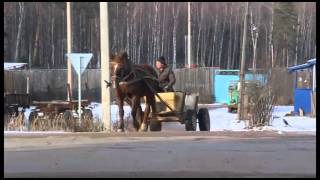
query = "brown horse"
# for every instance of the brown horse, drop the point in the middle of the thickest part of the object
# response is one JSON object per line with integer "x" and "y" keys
{"x": 134, "y": 82}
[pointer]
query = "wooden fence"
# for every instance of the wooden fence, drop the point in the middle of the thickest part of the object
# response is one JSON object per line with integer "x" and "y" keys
{"x": 51, "y": 84}
{"x": 198, "y": 80}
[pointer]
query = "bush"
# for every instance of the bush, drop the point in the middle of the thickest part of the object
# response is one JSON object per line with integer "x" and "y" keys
{"x": 261, "y": 111}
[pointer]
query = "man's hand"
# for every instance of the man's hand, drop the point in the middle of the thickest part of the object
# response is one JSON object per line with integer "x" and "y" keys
{"x": 166, "y": 88}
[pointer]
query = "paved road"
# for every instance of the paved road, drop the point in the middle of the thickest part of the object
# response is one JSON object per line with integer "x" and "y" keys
{"x": 178, "y": 154}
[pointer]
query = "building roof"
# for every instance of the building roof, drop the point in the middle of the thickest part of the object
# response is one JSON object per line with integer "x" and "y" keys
{"x": 11, "y": 66}
{"x": 309, "y": 64}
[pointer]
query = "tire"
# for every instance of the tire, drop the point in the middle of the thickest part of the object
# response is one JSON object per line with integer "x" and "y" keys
{"x": 204, "y": 119}
{"x": 155, "y": 125}
{"x": 190, "y": 121}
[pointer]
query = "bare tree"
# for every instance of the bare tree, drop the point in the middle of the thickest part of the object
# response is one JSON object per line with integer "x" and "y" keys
{"x": 19, "y": 34}
{"x": 254, "y": 29}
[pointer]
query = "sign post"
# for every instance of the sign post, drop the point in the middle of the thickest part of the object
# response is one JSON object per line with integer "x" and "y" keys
{"x": 79, "y": 62}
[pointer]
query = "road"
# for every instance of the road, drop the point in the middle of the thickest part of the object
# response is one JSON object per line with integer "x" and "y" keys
{"x": 170, "y": 154}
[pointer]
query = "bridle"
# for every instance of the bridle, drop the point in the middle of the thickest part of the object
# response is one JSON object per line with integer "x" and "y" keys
{"x": 119, "y": 79}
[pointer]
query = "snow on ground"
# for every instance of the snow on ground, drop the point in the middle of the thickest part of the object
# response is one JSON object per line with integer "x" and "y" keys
{"x": 221, "y": 120}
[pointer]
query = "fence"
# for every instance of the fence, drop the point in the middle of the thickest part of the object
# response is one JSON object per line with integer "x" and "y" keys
{"x": 282, "y": 84}
{"x": 52, "y": 84}
{"x": 196, "y": 80}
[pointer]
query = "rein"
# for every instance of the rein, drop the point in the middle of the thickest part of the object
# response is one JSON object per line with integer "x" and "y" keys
{"x": 137, "y": 79}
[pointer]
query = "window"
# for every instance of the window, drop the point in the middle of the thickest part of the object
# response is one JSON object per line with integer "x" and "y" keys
{"x": 304, "y": 79}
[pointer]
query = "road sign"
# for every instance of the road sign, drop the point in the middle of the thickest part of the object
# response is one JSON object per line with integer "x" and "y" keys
{"x": 79, "y": 62}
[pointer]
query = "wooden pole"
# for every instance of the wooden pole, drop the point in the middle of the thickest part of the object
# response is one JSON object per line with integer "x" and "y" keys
{"x": 69, "y": 49}
{"x": 105, "y": 74}
{"x": 189, "y": 34}
{"x": 243, "y": 55}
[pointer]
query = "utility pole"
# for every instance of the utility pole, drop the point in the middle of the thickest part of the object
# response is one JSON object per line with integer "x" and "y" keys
{"x": 243, "y": 55}
{"x": 69, "y": 49}
{"x": 189, "y": 34}
{"x": 105, "y": 74}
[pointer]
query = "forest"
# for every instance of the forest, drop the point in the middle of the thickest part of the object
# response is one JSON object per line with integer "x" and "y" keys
{"x": 279, "y": 34}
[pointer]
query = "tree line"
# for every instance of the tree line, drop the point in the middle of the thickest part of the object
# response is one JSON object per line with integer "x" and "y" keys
{"x": 280, "y": 34}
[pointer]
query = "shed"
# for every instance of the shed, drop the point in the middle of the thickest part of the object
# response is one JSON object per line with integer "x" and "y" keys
{"x": 305, "y": 86}
{"x": 12, "y": 95}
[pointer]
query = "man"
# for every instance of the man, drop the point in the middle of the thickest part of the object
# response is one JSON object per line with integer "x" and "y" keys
{"x": 166, "y": 76}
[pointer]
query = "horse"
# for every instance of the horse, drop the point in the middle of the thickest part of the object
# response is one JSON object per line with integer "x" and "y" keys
{"x": 134, "y": 82}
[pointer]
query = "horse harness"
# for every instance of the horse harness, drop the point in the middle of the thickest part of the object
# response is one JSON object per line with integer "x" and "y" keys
{"x": 136, "y": 79}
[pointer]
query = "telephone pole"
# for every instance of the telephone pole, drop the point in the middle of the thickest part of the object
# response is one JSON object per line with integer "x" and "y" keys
{"x": 69, "y": 49}
{"x": 189, "y": 34}
{"x": 243, "y": 55}
{"x": 105, "y": 74}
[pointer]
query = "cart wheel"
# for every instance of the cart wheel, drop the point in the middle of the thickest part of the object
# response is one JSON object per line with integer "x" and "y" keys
{"x": 155, "y": 125}
{"x": 69, "y": 120}
{"x": 32, "y": 117}
{"x": 190, "y": 121}
{"x": 87, "y": 120}
{"x": 21, "y": 120}
{"x": 13, "y": 111}
{"x": 87, "y": 113}
{"x": 204, "y": 119}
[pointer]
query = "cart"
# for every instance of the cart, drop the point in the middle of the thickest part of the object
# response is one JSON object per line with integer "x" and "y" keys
{"x": 56, "y": 108}
{"x": 180, "y": 107}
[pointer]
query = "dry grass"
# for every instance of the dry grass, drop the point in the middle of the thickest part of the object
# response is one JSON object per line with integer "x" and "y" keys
{"x": 128, "y": 125}
{"x": 53, "y": 122}
{"x": 14, "y": 122}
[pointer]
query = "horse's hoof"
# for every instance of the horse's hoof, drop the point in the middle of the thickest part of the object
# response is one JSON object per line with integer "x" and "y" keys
{"x": 143, "y": 128}
{"x": 136, "y": 126}
{"x": 120, "y": 130}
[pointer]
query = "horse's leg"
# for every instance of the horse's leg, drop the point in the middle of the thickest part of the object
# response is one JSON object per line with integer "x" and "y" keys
{"x": 135, "y": 106}
{"x": 144, "y": 124}
{"x": 121, "y": 114}
{"x": 139, "y": 116}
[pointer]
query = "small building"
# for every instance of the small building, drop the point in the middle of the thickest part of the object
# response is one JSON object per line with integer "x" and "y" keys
{"x": 13, "y": 94}
{"x": 305, "y": 86}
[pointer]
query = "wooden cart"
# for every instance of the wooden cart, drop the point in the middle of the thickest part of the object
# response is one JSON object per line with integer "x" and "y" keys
{"x": 180, "y": 107}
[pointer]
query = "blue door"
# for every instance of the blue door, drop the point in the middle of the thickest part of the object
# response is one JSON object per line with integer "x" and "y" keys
{"x": 221, "y": 84}
{"x": 302, "y": 99}
{"x": 222, "y": 79}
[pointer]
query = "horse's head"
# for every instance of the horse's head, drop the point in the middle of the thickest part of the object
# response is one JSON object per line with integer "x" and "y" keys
{"x": 120, "y": 67}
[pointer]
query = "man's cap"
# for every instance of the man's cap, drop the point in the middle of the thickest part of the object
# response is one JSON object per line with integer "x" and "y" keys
{"x": 162, "y": 60}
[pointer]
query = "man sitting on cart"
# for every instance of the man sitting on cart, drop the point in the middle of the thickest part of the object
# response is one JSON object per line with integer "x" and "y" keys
{"x": 166, "y": 76}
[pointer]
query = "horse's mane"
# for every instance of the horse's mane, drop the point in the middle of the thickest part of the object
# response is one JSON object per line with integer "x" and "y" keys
{"x": 150, "y": 70}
